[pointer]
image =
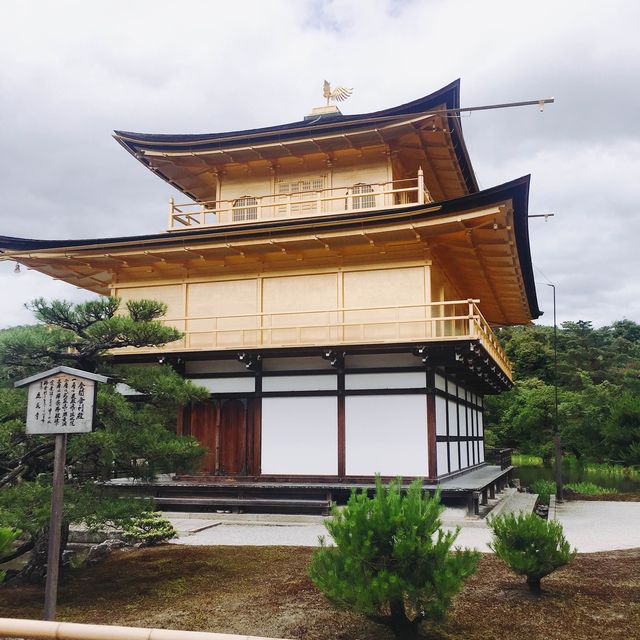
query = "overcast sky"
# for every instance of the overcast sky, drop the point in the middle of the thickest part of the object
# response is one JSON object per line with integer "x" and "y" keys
{"x": 71, "y": 72}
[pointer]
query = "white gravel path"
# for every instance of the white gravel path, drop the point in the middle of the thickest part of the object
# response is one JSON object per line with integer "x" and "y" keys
{"x": 589, "y": 526}
{"x": 600, "y": 526}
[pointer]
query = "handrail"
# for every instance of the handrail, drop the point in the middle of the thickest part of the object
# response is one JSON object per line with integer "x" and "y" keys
{"x": 286, "y": 196}
{"x": 39, "y": 629}
{"x": 457, "y": 320}
{"x": 327, "y": 310}
{"x": 492, "y": 339}
{"x": 308, "y": 202}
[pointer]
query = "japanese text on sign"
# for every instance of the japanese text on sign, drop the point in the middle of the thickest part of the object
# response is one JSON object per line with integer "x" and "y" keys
{"x": 60, "y": 404}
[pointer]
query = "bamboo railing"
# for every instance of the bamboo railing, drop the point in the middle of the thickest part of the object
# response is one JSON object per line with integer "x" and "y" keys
{"x": 38, "y": 629}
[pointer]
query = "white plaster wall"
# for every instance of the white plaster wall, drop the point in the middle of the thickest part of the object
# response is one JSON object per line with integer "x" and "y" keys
{"x": 227, "y": 385}
{"x": 403, "y": 380}
{"x": 462, "y": 420}
{"x": 300, "y": 436}
{"x": 381, "y": 360}
{"x": 300, "y": 383}
{"x": 214, "y": 366}
{"x": 285, "y": 364}
{"x": 387, "y": 435}
{"x": 455, "y": 461}
{"x": 443, "y": 467}
{"x": 453, "y": 418}
{"x": 464, "y": 458}
{"x": 441, "y": 416}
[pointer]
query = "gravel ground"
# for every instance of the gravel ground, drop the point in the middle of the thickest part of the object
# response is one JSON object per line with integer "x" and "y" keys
{"x": 600, "y": 526}
{"x": 589, "y": 526}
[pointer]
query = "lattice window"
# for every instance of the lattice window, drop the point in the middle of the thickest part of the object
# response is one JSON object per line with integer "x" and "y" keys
{"x": 303, "y": 193}
{"x": 245, "y": 208}
{"x": 363, "y": 201}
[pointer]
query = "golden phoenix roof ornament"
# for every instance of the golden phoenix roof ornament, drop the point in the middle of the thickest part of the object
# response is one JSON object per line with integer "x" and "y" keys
{"x": 337, "y": 95}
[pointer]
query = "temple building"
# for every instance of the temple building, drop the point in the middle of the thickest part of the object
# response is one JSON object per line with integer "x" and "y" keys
{"x": 337, "y": 281}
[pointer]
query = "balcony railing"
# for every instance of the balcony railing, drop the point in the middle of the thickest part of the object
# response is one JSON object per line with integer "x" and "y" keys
{"x": 436, "y": 321}
{"x": 300, "y": 204}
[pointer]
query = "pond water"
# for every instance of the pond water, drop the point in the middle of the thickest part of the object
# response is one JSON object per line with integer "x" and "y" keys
{"x": 577, "y": 473}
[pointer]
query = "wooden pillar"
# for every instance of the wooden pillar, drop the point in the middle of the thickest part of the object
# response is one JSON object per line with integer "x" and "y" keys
{"x": 492, "y": 491}
{"x": 432, "y": 454}
{"x": 342, "y": 454}
{"x": 473, "y": 498}
{"x": 420, "y": 186}
{"x": 484, "y": 499}
{"x": 256, "y": 459}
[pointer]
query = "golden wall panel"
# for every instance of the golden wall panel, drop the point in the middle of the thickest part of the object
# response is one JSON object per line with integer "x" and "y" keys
{"x": 441, "y": 290}
{"x": 172, "y": 295}
{"x": 300, "y": 301}
{"x": 222, "y": 313}
{"x": 232, "y": 189}
{"x": 397, "y": 288}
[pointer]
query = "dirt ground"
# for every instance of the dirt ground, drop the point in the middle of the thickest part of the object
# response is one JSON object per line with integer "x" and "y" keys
{"x": 266, "y": 591}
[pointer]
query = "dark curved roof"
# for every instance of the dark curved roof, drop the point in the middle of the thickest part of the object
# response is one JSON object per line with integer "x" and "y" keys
{"x": 446, "y": 98}
{"x": 516, "y": 190}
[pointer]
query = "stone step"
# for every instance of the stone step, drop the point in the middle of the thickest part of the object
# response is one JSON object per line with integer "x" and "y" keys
{"x": 516, "y": 502}
{"x": 244, "y": 503}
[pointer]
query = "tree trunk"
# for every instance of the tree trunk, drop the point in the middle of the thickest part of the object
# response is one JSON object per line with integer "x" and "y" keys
{"x": 534, "y": 585}
{"x": 403, "y": 627}
{"x": 35, "y": 571}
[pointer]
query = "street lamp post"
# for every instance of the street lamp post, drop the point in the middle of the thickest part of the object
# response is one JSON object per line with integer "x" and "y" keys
{"x": 556, "y": 425}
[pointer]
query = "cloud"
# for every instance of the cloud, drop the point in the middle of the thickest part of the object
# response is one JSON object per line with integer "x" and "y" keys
{"x": 74, "y": 71}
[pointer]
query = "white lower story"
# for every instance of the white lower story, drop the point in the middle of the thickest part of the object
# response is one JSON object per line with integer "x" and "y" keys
{"x": 384, "y": 417}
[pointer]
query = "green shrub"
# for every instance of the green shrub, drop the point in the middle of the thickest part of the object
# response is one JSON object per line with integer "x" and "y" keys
{"x": 544, "y": 489}
{"x": 148, "y": 529}
{"x": 589, "y": 488}
{"x": 7, "y": 538}
{"x": 530, "y": 546}
{"x": 392, "y": 560}
{"x": 524, "y": 460}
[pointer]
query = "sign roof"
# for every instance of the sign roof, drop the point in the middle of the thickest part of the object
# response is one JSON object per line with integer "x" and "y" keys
{"x": 68, "y": 370}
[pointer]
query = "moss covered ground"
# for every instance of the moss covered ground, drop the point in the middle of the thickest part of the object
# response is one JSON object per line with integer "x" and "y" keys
{"x": 266, "y": 591}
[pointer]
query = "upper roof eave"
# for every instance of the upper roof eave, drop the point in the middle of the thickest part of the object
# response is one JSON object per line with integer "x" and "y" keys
{"x": 447, "y": 97}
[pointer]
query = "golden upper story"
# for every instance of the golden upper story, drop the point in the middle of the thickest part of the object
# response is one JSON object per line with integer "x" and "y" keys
{"x": 328, "y": 163}
{"x": 359, "y": 229}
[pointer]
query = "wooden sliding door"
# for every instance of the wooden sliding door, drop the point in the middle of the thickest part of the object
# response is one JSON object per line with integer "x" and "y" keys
{"x": 221, "y": 427}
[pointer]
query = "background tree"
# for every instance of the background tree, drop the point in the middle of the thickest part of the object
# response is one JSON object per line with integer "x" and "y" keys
{"x": 598, "y": 380}
{"x": 126, "y": 433}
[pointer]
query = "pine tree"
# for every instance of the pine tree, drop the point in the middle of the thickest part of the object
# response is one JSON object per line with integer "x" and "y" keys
{"x": 82, "y": 336}
{"x": 392, "y": 560}
{"x": 530, "y": 546}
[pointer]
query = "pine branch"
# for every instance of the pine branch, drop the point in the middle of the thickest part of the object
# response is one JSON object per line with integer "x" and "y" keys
{"x": 20, "y": 551}
{"x": 16, "y": 473}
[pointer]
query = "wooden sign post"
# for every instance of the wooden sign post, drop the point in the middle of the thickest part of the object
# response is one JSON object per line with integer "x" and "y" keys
{"x": 61, "y": 401}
